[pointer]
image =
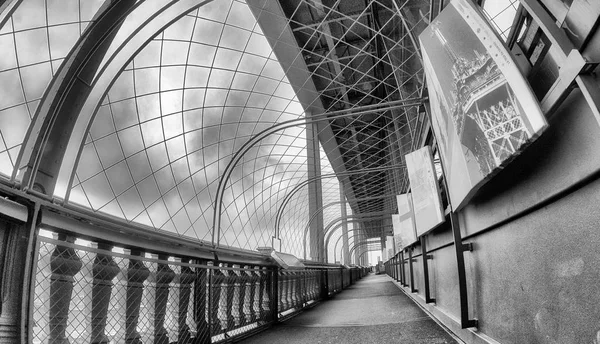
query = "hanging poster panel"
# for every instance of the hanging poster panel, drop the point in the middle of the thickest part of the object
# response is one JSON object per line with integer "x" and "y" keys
{"x": 389, "y": 245}
{"x": 483, "y": 110}
{"x": 404, "y": 230}
{"x": 424, "y": 189}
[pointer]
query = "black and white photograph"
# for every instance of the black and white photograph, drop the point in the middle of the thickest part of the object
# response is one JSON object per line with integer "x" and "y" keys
{"x": 299, "y": 171}
{"x": 479, "y": 119}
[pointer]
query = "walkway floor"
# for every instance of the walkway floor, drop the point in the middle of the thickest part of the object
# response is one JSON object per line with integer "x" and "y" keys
{"x": 373, "y": 310}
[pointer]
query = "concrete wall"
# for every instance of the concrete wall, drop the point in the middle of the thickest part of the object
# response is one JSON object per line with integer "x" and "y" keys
{"x": 534, "y": 274}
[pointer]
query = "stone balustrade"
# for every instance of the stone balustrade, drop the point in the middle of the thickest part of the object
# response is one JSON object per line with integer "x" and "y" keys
{"x": 98, "y": 293}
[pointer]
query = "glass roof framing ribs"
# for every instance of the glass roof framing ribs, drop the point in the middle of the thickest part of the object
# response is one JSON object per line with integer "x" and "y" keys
{"x": 178, "y": 89}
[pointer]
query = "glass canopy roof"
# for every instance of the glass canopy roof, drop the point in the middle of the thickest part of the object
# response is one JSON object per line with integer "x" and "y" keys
{"x": 34, "y": 41}
{"x": 174, "y": 118}
{"x": 189, "y": 99}
{"x": 180, "y": 107}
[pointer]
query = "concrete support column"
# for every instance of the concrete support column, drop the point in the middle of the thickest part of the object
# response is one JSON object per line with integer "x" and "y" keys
{"x": 315, "y": 199}
{"x": 345, "y": 248}
{"x": 361, "y": 248}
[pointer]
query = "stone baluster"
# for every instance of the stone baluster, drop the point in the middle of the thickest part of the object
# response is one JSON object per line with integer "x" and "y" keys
{"x": 309, "y": 288}
{"x": 257, "y": 294}
{"x": 217, "y": 279}
{"x": 309, "y": 285}
{"x": 243, "y": 290}
{"x": 249, "y": 295}
{"x": 137, "y": 273}
{"x": 280, "y": 291}
{"x": 64, "y": 264}
{"x": 316, "y": 282}
{"x": 164, "y": 276}
{"x": 186, "y": 278}
{"x": 290, "y": 287}
{"x": 236, "y": 303}
{"x": 295, "y": 288}
{"x": 266, "y": 293}
{"x": 200, "y": 297}
{"x": 290, "y": 294}
{"x": 104, "y": 270}
{"x": 301, "y": 288}
{"x": 306, "y": 287}
{"x": 230, "y": 291}
{"x": 283, "y": 277}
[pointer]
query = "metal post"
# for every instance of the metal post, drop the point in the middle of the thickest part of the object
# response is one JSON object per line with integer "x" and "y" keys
{"x": 460, "y": 248}
{"x": 272, "y": 287}
{"x": 426, "y": 257}
{"x": 315, "y": 199}
{"x": 346, "y": 248}
{"x": 412, "y": 275}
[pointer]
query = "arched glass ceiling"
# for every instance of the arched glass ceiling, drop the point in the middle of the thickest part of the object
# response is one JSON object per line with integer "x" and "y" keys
{"x": 295, "y": 218}
{"x": 363, "y": 54}
{"x": 174, "y": 117}
{"x": 33, "y": 43}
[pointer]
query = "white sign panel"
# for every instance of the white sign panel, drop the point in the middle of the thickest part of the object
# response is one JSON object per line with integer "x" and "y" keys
{"x": 389, "y": 245}
{"x": 483, "y": 110}
{"x": 404, "y": 230}
{"x": 427, "y": 205}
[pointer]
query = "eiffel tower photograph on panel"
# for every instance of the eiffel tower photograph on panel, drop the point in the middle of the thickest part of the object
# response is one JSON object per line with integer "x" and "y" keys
{"x": 480, "y": 120}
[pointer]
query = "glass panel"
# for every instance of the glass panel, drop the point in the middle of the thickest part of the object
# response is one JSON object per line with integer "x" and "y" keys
{"x": 172, "y": 146}
{"x": 195, "y": 94}
{"x": 501, "y": 13}
{"x": 34, "y": 42}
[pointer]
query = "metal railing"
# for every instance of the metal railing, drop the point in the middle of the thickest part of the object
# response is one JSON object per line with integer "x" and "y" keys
{"x": 87, "y": 291}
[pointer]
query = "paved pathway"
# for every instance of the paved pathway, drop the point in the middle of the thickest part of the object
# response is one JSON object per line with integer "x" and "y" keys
{"x": 373, "y": 310}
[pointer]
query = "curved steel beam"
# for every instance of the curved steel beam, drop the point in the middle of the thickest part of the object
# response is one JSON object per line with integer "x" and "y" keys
{"x": 361, "y": 245}
{"x": 57, "y": 113}
{"x": 354, "y": 235}
{"x": 7, "y": 8}
{"x": 338, "y": 241}
{"x": 337, "y": 220}
{"x": 366, "y": 216}
{"x": 300, "y": 185}
{"x": 334, "y": 229}
{"x": 313, "y": 216}
{"x": 142, "y": 33}
{"x": 336, "y": 244}
{"x": 218, "y": 205}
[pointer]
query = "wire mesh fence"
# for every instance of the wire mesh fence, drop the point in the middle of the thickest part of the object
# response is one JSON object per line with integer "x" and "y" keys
{"x": 95, "y": 293}
{"x": 88, "y": 294}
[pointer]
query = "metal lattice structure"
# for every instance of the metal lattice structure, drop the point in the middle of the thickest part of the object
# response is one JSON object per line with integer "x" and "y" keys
{"x": 168, "y": 94}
